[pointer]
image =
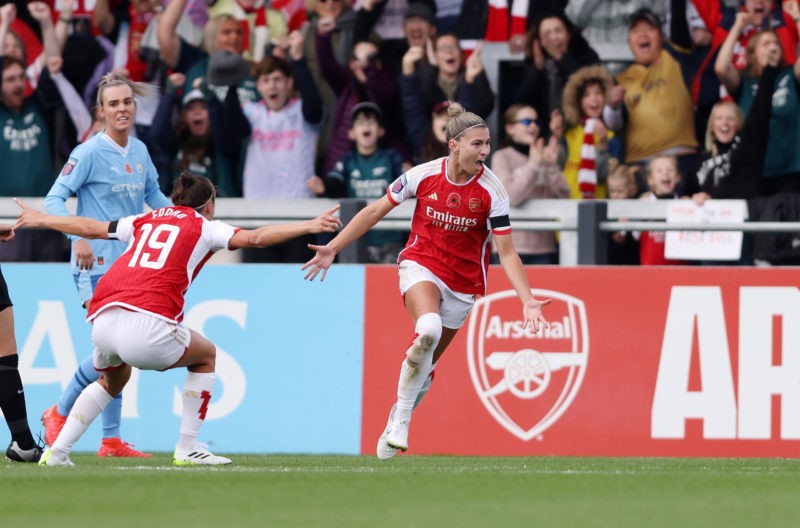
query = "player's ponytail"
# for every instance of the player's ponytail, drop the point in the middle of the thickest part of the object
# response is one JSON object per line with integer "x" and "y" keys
{"x": 192, "y": 190}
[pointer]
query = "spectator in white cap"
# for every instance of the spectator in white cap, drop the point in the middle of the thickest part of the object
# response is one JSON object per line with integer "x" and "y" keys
{"x": 184, "y": 135}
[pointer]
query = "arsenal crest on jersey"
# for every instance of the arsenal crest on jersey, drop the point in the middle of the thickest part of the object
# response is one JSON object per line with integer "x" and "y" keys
{"x": 475, "y": 204}
{"x": 527, "y": 381}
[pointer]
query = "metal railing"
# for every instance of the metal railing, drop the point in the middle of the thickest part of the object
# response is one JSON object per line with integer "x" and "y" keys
{"x": 582, "y": 225}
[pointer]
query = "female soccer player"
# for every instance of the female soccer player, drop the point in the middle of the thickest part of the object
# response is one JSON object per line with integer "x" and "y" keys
{"x": 460, "y": 203}
{"x": 112, "y": 176}
{"x": 137, "y": 308}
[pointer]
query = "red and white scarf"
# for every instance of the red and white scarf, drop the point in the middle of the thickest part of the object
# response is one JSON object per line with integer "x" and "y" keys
{"x": 497, "y": 25}
{"x": 587, "y": 171}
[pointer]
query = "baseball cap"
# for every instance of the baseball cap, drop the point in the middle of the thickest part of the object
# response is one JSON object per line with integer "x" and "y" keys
{"x": 367, "y": 108}
{"x": 644, "y": 14}
{"x": 419, "y": 9}
{"x": 193, "y": 95}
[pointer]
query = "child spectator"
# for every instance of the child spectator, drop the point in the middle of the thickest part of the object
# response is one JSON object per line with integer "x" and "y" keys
{"x": 588, "y": 144}
{"x": 663, "y": 178}
{"x": 528, "y": 169}
{"x": 365, "y": 172}
{"x": 623, "y": 247}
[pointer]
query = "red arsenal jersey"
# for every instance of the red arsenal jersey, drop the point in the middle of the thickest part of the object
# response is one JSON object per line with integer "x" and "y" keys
{"x": 166, "y": 250}
{"x": 452, "y": 223}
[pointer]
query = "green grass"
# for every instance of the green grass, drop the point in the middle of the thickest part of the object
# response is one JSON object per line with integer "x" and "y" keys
{"x": 408, "y": 492}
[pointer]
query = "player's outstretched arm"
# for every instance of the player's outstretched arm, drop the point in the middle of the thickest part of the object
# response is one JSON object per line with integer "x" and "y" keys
{"x": 512, "y": 265}
{"x": 73, "y": 225}
{"x": 360, "y": 224}
{"x": 265, "y": 236}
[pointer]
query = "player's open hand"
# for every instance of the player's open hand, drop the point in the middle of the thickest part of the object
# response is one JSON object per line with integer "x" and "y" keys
{"x": 532, "y": 313}
{"x": 327, "y": 222}
{"x": 320, "y": 263}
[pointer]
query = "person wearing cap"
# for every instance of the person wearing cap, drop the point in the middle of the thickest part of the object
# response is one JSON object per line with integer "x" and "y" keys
{"x": 365, "y": 172}
{"x": 112, "y": 176}
{"x": 654, "y": 105}
{"x": 191, "y": 142}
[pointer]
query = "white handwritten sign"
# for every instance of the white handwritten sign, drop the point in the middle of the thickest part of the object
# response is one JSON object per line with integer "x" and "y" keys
{"x": 705, "y": 245}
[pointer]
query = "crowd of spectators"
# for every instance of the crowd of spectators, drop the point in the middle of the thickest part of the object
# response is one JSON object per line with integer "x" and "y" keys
{"x": 292, "y": 99}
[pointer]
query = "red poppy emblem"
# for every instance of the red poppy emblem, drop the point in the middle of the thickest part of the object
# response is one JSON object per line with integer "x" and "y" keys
{"x": 453, "y": 200}
{"x": 128, "y": 168}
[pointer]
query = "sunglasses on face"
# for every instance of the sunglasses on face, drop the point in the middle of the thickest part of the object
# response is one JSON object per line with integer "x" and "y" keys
{"x": 527, "y": 121}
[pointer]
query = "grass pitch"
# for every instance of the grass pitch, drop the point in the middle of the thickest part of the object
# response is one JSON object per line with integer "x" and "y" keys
{"x": 409, "y": 491}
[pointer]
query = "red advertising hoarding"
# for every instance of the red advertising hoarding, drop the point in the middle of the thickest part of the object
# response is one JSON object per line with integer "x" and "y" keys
{"x": 636, "y": 362}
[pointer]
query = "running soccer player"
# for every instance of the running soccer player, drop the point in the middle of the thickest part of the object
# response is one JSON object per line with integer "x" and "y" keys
{"x": 460, "y": 205}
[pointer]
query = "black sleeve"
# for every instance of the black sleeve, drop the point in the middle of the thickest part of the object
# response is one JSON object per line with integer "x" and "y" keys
{"x": 313, "y": 107}
{"x": 679, "y": 27}
{"x": 747, "y": 162}
{"x": 229, "y": 125}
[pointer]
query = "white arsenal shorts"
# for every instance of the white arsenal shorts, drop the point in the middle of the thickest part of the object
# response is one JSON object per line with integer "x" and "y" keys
{"x": 454, "y": 307}
{"x": 138, "y": 339}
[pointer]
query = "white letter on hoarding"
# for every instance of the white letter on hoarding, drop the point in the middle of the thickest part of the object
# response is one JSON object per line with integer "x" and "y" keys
{"x": 229, "y": 374}
{"x": 759, "y": 379}
{"x": 673, "y": 403}
{"x": 50, "y": 323}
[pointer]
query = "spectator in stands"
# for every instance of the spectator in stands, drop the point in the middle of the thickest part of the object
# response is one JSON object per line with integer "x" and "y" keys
{"x": 12, "y": 45}
{"x": 657, "y": 112}
{"x": 663, "y": 177}
{"x": 719, "y": 18}
{"x": 528, "y": 169}
{"x": 554, "y": 50}
{"x": 190, "y": 142}
{"x": 263, "y": 26}
{"x": 782, "y": 163}
{"x": 283, "y": 132}
{"x": 342, "y": 36}
{"x": 221, "y": 33}
{"x": 450, "y": 78}
{"x": 418, "y": 28}
{"x": 588, "y": 144}
{"x": 365, "y": 172}
{"x": 363, "y": 79}
{"x": 26, "y": 151}
{"x": 623, "y": 246}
